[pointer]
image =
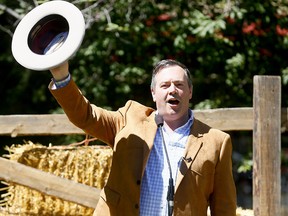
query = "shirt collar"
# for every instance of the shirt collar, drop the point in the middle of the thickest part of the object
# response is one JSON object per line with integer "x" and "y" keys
{"x": 179, "y": 136}
{"x": 188, "y": 124}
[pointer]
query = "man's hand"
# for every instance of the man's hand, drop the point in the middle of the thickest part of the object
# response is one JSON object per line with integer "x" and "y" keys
{"x": 60, "y": 72}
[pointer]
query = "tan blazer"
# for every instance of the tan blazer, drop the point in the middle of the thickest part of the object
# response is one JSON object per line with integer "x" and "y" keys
{"x": 204, "y": 181}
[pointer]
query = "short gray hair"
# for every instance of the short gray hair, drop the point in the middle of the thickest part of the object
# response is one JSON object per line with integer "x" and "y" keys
{"x": 168, "y": 63}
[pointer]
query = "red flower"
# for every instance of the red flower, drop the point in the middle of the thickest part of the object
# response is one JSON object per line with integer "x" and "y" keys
{"x": 248, "y": 28}
{"x": 253, "y": 28}
{"x": 164, "y": 17}
{"x": 150, "y": 21}
{"x": 191, "y": 38}
{"x": 281, "y": 31}
{"x": 265, "y": 52}
{"x": 230, "y": 20}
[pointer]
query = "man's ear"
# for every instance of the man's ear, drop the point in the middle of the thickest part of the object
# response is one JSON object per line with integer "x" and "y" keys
{"x": 191, "y": 92}
{"x": 153, "y": 94}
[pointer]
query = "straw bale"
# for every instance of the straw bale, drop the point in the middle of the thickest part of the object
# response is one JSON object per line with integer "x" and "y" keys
{"x": 239, "y": 212}
{"x": 89, "y": 165}
{"x": 244, "y": 212}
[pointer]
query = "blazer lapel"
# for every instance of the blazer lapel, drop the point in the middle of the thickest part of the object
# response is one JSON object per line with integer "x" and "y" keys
{"x": 149, "y": 129}
{"x": 193, "y": 146}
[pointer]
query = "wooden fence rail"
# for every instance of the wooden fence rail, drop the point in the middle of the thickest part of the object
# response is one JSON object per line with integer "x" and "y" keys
{"x": 227, "y": 119}
{"x": 48, "y": 183}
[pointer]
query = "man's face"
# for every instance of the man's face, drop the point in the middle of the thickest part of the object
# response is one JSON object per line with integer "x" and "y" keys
{"x": 172, "y": 93}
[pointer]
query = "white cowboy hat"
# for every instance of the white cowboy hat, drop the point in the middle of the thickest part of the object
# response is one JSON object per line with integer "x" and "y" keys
{"x": 48, "y": 35}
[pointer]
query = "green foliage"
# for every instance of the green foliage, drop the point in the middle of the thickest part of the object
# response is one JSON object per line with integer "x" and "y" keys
{"x": 224, "y": 44}
{"x": 246, "y": 165}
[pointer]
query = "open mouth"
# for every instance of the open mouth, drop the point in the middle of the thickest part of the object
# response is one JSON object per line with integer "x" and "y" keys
{"x": 173, "y": 101}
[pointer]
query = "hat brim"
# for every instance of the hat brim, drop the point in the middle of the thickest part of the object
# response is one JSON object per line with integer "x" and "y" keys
{"x": 24, "y": 54}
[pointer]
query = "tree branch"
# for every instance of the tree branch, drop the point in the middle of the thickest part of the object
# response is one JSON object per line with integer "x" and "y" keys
{"x": 6, "y": 30}
{"x": 10, "y": 11}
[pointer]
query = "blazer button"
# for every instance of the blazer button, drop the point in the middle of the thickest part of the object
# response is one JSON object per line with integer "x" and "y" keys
{"x": 138, "y": 182}
{"x": 136, "y": 206}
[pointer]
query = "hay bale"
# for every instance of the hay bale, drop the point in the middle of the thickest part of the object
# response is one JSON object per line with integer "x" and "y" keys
{"x": 239, "y": 212}
{"x": 244, "y": 212}
{"x": 89, "y": 165}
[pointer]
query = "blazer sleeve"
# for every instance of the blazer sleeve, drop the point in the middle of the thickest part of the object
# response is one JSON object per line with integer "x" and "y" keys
{"x": 93, "y": 120}
{"x": 223, "y": 198}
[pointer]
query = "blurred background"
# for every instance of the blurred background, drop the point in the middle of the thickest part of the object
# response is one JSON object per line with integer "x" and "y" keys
{"x": 223, "y": 43}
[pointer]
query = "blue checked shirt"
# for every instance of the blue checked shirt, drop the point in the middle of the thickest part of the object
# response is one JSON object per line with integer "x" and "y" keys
{"x": 156, "y": 176}
{"x": 61, "y": 83}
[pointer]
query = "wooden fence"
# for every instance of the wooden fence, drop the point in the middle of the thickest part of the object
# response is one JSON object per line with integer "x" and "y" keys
{"x": 266, "y": 119}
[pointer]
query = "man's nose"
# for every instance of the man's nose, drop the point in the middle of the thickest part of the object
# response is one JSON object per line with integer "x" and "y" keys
{"x": 172, "y": 89}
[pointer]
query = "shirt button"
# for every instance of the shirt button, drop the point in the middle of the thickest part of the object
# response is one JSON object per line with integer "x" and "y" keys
{"x": 138, "y": 182}
{"x": 136, "y": 206}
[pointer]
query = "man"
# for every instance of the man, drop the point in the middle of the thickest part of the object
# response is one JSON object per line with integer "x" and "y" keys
{"x": 146, "y": 154}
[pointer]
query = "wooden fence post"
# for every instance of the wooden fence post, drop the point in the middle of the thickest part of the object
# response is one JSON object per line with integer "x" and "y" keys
{"x": 267, "y": 146}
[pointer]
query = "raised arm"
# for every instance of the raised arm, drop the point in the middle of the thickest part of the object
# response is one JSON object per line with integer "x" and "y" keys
{"x": 60, "y": 72}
